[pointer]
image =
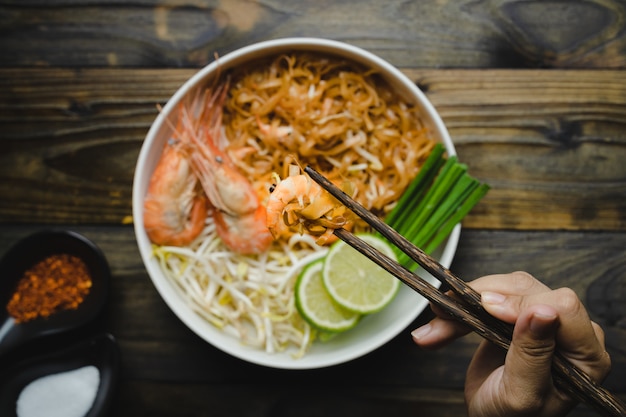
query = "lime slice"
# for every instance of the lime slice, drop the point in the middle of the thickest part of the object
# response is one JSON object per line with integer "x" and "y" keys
{"x": 355, "y": 282}
{"x": 316, "y": 306}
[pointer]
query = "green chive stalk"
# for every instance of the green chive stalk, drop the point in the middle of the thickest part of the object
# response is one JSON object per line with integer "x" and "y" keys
{"x": 418, "y": 186}
{"x": 437, "y": 199}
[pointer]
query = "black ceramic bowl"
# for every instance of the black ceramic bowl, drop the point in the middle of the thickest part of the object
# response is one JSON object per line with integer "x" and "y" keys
{"x": 26, "y": 253}
{"x": 100, "y": 351}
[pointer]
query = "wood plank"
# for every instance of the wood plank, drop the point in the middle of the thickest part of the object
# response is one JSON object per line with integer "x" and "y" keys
{"x": 425, "y": 34}
{"x": 79, "y": 85}
{"x": 287, "y": 400}
{"x": 164, "y": 364}
{"x": 139, "y": 318}
{"x": 284, "y": 400}
{"x": 550, "y": 143}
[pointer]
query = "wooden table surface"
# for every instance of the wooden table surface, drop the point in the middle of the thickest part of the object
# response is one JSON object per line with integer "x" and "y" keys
{"x": 533, "y": 94}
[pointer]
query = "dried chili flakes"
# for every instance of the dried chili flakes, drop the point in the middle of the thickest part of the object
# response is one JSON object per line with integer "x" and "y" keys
{"x": 59, "y": 282}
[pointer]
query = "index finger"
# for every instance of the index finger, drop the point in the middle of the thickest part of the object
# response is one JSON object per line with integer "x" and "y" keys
{"x": 577, "y": 338}
{"x": 514, "y": 283}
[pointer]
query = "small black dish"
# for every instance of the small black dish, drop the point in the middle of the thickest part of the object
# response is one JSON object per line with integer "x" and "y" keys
{"x": 100, "y": 351}
{"x": 26, "y": 253}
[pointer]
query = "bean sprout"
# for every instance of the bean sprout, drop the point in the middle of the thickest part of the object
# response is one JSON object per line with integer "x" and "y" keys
{"x": 248, "y": 297}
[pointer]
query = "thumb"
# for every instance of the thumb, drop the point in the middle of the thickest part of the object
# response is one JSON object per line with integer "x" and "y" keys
{"x": 527, "y": 369}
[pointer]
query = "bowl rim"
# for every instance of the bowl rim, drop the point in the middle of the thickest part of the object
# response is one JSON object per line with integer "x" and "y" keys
{"x": 250, "y": 52}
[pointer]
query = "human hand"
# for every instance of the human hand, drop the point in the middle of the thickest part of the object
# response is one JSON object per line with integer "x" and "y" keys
{"x": 519, "y": 382}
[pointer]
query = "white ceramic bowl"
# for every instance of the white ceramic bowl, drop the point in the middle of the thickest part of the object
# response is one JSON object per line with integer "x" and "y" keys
{"x": 373, "y": 331}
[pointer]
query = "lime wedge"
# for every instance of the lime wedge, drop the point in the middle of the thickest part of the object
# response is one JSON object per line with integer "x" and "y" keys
{"x": 355, "y": 282}
{"x": 315, "y": 305}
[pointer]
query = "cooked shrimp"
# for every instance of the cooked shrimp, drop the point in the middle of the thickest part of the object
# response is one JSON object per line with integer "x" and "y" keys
{"x": 302, "y": 205}
{"x": 239, "y": 215}
{"x": 174, "y": 211}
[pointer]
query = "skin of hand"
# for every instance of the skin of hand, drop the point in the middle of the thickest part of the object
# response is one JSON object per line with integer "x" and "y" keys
{"x": 519, "y": 382}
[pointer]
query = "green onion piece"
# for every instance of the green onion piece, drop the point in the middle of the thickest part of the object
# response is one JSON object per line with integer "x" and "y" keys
{"x": 469, "y": 203}
{"x": 450, "y": 173}
{"x": 453, "y": 200}
{"x": 436, "y": 200}
{"x": 418, "y": 186}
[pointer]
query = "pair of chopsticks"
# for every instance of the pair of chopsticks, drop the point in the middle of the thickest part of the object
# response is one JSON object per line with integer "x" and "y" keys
{"x": 468, "y": 308}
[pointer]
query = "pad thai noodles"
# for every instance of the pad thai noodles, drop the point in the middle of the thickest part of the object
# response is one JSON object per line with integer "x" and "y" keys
{"x": 205, "y": 208}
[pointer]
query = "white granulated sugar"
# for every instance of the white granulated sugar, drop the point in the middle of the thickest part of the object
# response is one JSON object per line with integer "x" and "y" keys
{"x": 66, "y": 394}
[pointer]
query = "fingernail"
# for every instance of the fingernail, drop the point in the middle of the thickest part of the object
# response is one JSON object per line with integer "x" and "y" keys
{"x": 420, "y": 332}
{"x": 543, "y": 322}
{"x": 489, "y": 297}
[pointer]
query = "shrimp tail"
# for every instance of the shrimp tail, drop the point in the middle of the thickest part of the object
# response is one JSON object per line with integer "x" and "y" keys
{"x": 178, "y": 232}
{"x": 174, "y": 212}
{"x": 231, "y": 230}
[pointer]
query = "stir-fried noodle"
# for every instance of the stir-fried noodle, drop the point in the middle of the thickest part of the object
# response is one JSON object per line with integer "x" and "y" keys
{"x": 334, "y": 116}
{"x": 311, "y": 110}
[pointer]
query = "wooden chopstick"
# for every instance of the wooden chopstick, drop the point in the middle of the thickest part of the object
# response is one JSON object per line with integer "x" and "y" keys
{"x": 469, "y": 309}
{"x": 453, "y": 307}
